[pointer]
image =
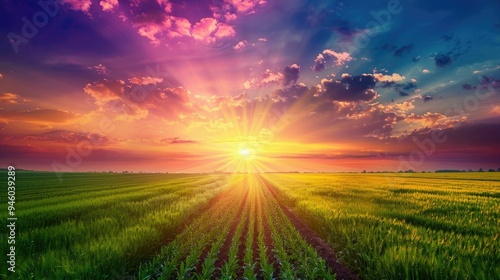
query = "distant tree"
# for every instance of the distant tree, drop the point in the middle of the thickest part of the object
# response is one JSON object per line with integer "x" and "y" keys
{"x": 423, "y": 171}
{"x": 364, "y": 171}
{"x": 491, "y": 170}
{"x": 498, "y": 170}
{"x": 480, "y": 170}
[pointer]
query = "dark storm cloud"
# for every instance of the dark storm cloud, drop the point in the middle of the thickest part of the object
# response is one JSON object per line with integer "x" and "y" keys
{"x": 351, "y": 89}
{"x": 402, "y": 93}
{"x": 291, "y": 75}
{"x": 290, "y": 93}
{"x": 409, "y": 86}
{"x": 427, "y": 98}
{"x": 345, "y": 30}
{"x": 468, "y": 87}
{"x": 490, "y": 82}
{"x": 443, "y": 60}
{"x": 387, "y": 84}
{"x": 403, "y": 50}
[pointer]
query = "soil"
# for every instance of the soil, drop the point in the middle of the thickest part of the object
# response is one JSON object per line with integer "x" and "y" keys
{"x": 309, "y": 235}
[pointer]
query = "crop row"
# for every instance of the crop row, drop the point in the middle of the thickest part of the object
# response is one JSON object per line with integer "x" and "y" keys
{"x": 229, "y": 242}
{"x": 392, "y": 227}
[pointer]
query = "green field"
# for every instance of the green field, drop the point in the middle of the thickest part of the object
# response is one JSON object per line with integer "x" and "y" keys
{"x": 286, "y": 226}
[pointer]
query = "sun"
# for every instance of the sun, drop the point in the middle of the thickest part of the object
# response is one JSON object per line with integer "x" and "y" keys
{"x": 244, "y": 152}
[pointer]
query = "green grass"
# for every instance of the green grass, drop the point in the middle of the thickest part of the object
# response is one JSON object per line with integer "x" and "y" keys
{"x": 403, "y": 226}
{"x": 99, "y": 226}
{"x": 160, "y": 226}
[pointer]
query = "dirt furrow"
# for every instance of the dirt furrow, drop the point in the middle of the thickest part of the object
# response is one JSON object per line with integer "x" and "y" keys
{"x": 224, "y": 251}
{"x": 268, "y": 239}
{"x": 310, "y": 236}
{"x": 241, "y": 247}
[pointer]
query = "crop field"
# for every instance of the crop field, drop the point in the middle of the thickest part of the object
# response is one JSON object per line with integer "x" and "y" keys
{"x": 256, "y": 226}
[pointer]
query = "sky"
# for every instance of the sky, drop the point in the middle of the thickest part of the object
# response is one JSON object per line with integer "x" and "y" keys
{"x": 249, "y": 85}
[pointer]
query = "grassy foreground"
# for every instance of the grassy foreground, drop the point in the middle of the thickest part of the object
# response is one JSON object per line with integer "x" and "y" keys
{"x": 383, "y": 226}
{"x": 404, "y": 226}
{"x": 98, "y": 226}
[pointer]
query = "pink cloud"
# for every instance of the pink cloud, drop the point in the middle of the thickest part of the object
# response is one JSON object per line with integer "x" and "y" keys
{"x": 241, "y": 45}
{"x": 340, "y": 58}
{"x": 180, "y": 27}
{"x": 167, "y": 6}
{"x": 395, "y": 77}
{"x": 105, "y": 90}
{"x": 38, "y": 116}
{"x": 203, "y": 29}
{"x": 246, "y": 6}
{"x": 230, "y": 17}
{"x": 108, "y": 5}
{"x": 228, "y": 10}
{"x": 145, "y": 80}
{"x": 150, "y": 31}
{"x": 269, "y": 78}
{"x": 78, "y": 5}
{"x": 8, "y": 98}
{"x": 224, "y": 30}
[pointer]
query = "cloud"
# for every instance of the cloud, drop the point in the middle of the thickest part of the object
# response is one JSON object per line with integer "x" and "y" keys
{"x": 403, "y": 50}
{"x": 8, "y": 97}
{"x": 395, "y": 77}
{"x": 38, "y": 116}
{"x": 495, "y": 109}
{"x": 145, "y": 80}
{"x": 468, "y": 87}
{"x": 443, "y": 60}
{"x": 230, "y": 9}
{"x": 105, "y": 90}
{"x": 108, "y": 5}
{"x": 490, "y": 82}
{"x": 319, "y": 63}
{"x": 248, "y": 84}
{"x": 339, "y": 59}
{"x": 427, "y": 98}
{"x": 78, "y": 5}
{"x": 167, "y": 6}
{"x": 291, "y": 74}
{"x": 270, "y": 77}
{"x": 426, "y": 71}
{"x": 434, "y": 121}
{"x": 410, "y": 85}
{"x": 224, "y": 31}
{"x": 178, "y": 27}
{"x": 402, "y": 93}
{"x": 178, "y": 140}
{"x": 350, "y": 89}
{"x": 241, "y": 45}
{"x": 100, "y": 69}
{"x": 1, "y": 75}
{"x": 65, "y": 136}
{"x": 344, "y": 29}
{"x": 203, "y": 29}
{"x": 150, "y": 31}
{"x": 290, "y": 93}
{"x": 138, "y": 99}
